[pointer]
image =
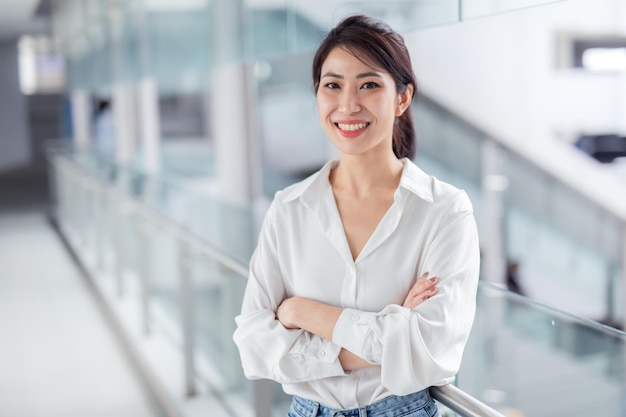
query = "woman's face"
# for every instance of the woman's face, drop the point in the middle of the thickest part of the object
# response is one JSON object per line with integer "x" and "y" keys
{"x": 357, "y": 104}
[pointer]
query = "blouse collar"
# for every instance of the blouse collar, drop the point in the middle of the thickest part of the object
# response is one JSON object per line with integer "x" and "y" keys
{"x": 311, "y": 190}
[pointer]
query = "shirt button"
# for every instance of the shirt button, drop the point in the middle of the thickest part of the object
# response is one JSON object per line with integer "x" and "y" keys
{"x": 356, "y": 318}
{"x": 352, "y": 271}
{"x": 321, "y": 354}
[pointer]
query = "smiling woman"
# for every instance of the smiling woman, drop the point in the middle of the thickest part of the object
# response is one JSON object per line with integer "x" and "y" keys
{"x": 362, "y": 288}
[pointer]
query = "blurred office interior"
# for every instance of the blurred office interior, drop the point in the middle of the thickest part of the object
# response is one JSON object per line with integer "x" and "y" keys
{"x": 141, "y": 142}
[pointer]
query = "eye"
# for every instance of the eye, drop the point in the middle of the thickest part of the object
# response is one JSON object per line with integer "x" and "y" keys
{"x": 331, "y": 86}
{"x": 370, "y": 85}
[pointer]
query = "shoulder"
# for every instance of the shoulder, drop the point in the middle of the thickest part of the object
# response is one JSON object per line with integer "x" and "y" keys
{"x": 309, "y": 190}
{"x": 441, "y": 195}
{"x": 454, "y": 199}
{"x": 304, "y": 193}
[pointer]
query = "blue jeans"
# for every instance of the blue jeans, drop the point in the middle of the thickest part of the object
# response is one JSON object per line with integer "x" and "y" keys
{"x": 418, "y": 404}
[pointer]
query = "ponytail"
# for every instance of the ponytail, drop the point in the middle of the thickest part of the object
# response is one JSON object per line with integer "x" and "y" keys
{"x": 404, "y": 136}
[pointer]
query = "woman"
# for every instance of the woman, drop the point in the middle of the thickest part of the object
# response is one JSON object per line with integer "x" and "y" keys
{"x": 339, "y": 306}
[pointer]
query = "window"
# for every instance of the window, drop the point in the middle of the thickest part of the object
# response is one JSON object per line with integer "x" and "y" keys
{"x": 41, "y": 68}
{"x": 594, "y": 53}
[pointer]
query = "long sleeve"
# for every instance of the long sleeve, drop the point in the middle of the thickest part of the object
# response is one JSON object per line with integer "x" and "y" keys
{"x": 267, "y": 349}
{"x": 423, "y": 347}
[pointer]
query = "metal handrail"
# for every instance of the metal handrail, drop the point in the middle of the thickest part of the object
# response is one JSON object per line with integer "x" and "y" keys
{"x": 461, "y": 402}
{"x": 449, "y": 395}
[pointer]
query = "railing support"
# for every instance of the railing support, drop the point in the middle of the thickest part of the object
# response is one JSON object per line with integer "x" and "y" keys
{"x": 623, "y": 257}
{"x": 119, "y": 243}
{"x": 263, "y": 397}
{"x": 187, "y": 317}
{"x": 146, "y": 287}
{"x": 494, "y": 185}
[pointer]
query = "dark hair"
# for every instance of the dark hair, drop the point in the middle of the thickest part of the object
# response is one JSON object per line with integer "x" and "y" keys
{"x": 376, "y": 44}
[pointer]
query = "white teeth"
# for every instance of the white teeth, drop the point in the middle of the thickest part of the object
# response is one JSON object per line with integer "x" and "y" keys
{"x": 352, "y": 126}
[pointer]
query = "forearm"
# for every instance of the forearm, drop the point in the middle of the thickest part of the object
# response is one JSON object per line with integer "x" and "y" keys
{"x": 320, "y": 319}
{"x": 310, "y": 315}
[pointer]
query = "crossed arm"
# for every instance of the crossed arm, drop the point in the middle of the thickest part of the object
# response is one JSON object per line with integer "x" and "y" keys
{"x": 320, "y": 318}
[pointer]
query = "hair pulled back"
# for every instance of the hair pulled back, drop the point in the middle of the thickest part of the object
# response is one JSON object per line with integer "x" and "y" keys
{"x": 377, "y": 45}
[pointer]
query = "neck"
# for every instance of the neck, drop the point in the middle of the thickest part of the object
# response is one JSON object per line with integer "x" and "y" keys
{"x": 361, "y": 175}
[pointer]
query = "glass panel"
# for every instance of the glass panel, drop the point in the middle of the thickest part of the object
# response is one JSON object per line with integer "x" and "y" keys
{"x": 401, "y": 15}
{"x": 164, "y": 270}
{"x": 476, "y": 8}
{"x": 285, "y": 87}
{"x": 565, "y": 247}
{"x": 178, "y": 46}
{"x": 525, "y": 358}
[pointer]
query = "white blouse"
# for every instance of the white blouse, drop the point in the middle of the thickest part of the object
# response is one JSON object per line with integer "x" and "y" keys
{"x": 302, "y": 250}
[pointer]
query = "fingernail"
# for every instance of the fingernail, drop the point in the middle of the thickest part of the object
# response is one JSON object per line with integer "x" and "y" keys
{"x": 433, "y": 279}
{"x": 425, "y": 274}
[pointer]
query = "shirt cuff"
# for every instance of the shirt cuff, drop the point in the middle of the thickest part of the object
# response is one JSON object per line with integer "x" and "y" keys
{"x": 354, "y": 333}
{"x": 319, "y": 359}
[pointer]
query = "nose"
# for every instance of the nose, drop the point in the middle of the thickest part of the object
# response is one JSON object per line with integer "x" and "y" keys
{"x": 349, "y": 102}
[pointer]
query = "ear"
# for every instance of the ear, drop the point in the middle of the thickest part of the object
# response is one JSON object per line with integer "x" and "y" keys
{"x": 404, "y": 100}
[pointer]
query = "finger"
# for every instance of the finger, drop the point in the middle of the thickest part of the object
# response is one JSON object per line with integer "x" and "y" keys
{"x": 424, "y": 284}
{"x": 417, "y": 300}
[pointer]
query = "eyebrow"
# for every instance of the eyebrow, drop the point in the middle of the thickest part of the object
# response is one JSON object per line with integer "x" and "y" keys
{"x": 362, "y": 75}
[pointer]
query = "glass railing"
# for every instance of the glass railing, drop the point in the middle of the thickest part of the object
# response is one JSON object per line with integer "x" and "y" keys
{"x": 558, "y": 237}
{"x": 526, "y": 359}
{"x": 139, "y": 237}
{"x": 185, "y": 278}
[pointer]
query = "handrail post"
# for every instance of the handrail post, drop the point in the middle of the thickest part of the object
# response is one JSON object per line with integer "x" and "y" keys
{"x": 99, "y": 201}
{"x": 494, "y": 184}
{"x": 187, "y": 316}
{"x": 623, "y": 258}
{"x": 144, "y": 275}
{"x": 263, "y": 397}
{"x": 119, "y": 252}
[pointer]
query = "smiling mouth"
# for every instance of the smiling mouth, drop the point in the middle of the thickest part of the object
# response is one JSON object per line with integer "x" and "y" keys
{"x": 351, "y": 127}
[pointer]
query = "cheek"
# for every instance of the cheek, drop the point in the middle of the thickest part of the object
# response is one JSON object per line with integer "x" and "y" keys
{"x": 323, "y": 108}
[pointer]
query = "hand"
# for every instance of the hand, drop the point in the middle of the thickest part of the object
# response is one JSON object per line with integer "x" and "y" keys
{"x": 423, "y": 289}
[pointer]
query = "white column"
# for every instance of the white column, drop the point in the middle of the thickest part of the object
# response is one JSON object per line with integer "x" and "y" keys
{"x": 233, "y": 109}
{"x": 148, "y": 104}
{"x": 124, "y": 123}
{"x": 494, "y": 185}
{"x": 234, "y": 142}
{"x": 150, "y": 125}
{"x": 81, "y": 118}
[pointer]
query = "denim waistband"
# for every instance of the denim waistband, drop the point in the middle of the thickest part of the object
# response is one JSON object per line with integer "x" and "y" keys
{"x": 387, "y": 407}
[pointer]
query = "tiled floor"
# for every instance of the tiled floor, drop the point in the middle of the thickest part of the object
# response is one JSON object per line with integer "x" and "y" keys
{"x": 58, "y": 355}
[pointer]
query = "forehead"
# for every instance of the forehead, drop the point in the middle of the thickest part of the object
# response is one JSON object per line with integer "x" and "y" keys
{"x": 341, "y": 60}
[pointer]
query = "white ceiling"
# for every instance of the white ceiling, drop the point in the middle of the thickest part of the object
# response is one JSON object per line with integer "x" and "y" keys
{"x": 17, "y": 18}
{"x": 17, "y": 10}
